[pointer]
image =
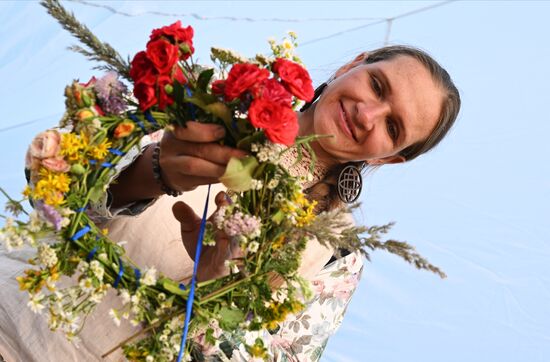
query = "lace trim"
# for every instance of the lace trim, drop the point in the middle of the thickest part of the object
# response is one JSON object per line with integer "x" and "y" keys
{"x": 302, "y": 168}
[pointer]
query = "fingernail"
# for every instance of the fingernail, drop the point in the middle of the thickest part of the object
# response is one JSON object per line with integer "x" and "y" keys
{"x": 220, "y": 132}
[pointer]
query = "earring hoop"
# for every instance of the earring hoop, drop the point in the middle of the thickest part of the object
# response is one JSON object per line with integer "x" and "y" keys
{"x": 350, "y": 183}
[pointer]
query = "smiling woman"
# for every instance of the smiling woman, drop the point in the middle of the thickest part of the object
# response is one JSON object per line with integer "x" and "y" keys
{"x": 386, "y": 106}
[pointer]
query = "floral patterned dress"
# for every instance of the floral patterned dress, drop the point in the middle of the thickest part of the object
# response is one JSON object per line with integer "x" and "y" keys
{"x": 303, "y": 337}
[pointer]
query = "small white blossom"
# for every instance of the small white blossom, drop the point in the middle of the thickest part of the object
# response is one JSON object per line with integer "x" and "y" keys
{"x": 97, "y": 269}
{"x": 272, "y": 183}
{"x": 82, "y": 267}
{"x": 35, "y": 222}
{"x": 46, "y": 255}
{"x": 256, "y": 184}
{"x": 35, "y": 302}
{"x": 232, "y": 266}
{"x": 268, "y": 152}
{"x": 125, "y": 296}
{"x": 149, "y": 358}
{"x": 253, "y": 246}
{"x": 114, "y": 316}
{"x": 87, "y": 285}
{"x": 219, "y": 217}
{"x": 150, "y": 277}
{"x": 161, "y": 297}
{"x": 135, "y": 299}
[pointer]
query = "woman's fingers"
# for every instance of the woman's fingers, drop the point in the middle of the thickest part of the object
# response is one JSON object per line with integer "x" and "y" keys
{"x": 192, "y": 166}
{"x": 189, "y": 226}
{"x": 209, "y": 151}
{"x": 199, "y": 132}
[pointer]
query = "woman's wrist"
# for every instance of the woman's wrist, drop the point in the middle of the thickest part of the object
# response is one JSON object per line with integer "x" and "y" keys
{"x": 157, "y": 172}
{"x": 137, "y": 182}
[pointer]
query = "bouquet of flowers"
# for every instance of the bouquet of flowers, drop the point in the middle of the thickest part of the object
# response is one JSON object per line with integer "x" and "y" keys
{"x": 269, "y": 218}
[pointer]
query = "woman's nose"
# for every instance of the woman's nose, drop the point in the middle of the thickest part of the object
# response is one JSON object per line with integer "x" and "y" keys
{"x": 369, "y": 114}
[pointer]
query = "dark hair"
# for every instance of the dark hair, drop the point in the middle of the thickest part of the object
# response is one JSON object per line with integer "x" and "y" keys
{"x": 325, "y": 191}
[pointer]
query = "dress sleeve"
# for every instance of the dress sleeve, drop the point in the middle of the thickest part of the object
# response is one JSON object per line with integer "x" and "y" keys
{"x": 101, "y": 210}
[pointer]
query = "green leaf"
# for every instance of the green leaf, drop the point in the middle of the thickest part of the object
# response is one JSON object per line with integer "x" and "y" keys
{"x": 238, "y": 173}
{"x": 172, "y": 287}
{"x": 245, "y": 143}
{"x": 230, "y": 318}
{"x": 204, "y": 79}
{"x": 96, "y": 193}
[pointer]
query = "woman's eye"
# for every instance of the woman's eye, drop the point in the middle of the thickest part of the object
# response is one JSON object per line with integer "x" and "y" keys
{"x": 376, "y": 86}
{"x": 392, "y": 129}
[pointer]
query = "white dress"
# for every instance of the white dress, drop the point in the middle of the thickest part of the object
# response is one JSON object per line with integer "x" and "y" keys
{"x": 153, "y": 239}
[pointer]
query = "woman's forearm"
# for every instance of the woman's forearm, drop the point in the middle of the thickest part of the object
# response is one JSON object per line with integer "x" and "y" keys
{"x": 136, "y": 182}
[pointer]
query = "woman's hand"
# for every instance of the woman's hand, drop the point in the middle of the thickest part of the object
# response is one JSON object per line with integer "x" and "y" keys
{"x": 191, "y": 156}
{"x": 212, "y": 258}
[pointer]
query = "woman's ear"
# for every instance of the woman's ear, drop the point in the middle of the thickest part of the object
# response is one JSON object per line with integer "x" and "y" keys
{"x": 358, "y": 60}
{"x": 386, "y": 160}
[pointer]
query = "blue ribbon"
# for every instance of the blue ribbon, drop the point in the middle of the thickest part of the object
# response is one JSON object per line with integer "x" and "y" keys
{"x": 182, "y": 286}
{"x": 120, "y": 272}
{"x": 134, "y": 118}
{"x": 80, "y": 233}
{"x": 191, "y": 297}
{"x": 91, "y": 254}
{"x": 191, "y": 105}
{"x": 150, "y": 118}
{"x": 116, "y": 151}
{"x": 81, "y": 209}
{"x": 103, "y": 164}
{"x": 137, "y": 273}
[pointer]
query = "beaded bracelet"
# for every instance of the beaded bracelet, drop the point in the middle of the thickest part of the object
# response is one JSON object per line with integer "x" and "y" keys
{"x": 157, "y": 173}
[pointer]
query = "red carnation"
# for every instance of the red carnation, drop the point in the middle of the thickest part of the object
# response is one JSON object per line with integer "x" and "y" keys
{"x": 273, "y": 90}
{"x": 218, "y": 87}
{"x": 175, "y": 33}
{"x": 295, "y": 78}
{"x": 241, "y": 77}
{"x": 178, "y": 75}
{"x": 145, "y": 94}
{"x": 279, "y": 122}
{"x": 164, "y": 98}
{"x": 142, "y": 70}
{"x": 163, "y": 55}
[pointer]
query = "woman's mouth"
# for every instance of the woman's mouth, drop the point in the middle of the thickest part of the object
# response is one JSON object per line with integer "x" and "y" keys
{"x": 345, "y": 123}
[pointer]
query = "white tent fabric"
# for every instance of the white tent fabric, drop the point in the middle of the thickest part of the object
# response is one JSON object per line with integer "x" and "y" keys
{"x": 477, "y": 205}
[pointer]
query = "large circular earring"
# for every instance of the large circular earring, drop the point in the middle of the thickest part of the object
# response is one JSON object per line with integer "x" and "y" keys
{"x": 350, "y": 183}
{"x": 316, "y": 96}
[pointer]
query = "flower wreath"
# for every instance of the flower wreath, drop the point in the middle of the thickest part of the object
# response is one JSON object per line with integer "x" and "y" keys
{"x": 69, "y": 169}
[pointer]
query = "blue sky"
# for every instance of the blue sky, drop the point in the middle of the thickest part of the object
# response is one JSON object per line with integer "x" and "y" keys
{"x": 476, "y": 205}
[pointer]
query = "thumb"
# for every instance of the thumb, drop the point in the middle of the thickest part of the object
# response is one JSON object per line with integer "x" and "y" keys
{"x": 186, "y": 216}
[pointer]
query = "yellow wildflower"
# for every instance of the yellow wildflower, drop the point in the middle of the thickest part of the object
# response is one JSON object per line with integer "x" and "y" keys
{"x": 54, "y": 198}
{"x": 277, "y": 244}
{"x": 100, "y": 151}
{"x": 27, "y": 191}
{"x": 258, "y": 349}
{"x": 71, "y": 145}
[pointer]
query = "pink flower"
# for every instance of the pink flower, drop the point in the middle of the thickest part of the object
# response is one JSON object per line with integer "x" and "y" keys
{"x": 345, "y": 288}
{"x": 56, "y": 164}
{"x": 318, "y": 286}
{"x": 31, "y": 163}
{"x": 45, "y": 145}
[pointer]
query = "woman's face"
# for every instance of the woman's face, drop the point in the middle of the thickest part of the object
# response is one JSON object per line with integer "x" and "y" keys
{"x": 376, "y": 110}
